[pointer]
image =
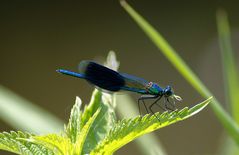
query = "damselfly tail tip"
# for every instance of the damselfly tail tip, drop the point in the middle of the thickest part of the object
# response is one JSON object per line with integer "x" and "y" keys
{"x": 60, "y": 70}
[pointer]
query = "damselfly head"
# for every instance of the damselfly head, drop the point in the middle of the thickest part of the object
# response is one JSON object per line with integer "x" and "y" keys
{"x": 168, "y": 91}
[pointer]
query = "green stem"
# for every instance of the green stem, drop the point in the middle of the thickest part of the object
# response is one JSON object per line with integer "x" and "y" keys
{"x": 228, "y": 63}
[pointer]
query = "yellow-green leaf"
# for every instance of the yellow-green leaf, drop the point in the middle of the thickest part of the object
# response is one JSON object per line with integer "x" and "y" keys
{"x": 127, "y": 130}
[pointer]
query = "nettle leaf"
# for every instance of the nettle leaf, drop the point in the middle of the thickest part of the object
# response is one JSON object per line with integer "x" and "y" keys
{"x": 57, "y": 143}
{"x": 73, "y": 127}
{"x": 78, "y": 146}
{"x": 127, "y": 130}
{"x": 14, "y": 142}
{"x": 61, "y": 144}
{"x": 64, "y": 143}
{"x": 77, "y": 137}
{"x": 83, "y": 132}
{"x": 103, "y": 122}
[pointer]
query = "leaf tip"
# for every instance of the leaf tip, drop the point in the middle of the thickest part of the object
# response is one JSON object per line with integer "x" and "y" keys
{"x": 78, "y": 101}
{"x": 209, "y": 99}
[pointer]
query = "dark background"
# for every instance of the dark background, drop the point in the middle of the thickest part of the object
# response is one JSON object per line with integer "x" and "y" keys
{"x": 38, "y": 37}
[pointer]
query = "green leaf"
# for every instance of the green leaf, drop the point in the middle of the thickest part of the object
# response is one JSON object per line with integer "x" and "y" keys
{"x": 73, "y": 127}
{"x": 127, "y": 130}
{"x": 62, "y": 144}
{"x": 57, "y": 143}
{"x": 104, "y": 121}
{"x": 229, "y": 66}
{"x": 151, "y": 140}
{"x": 13, "y": 142}
{"x": 231, "y": 127}
{"x": 84, "y": 133}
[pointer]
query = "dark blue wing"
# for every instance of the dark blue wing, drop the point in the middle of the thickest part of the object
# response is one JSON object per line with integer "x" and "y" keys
{"x": 101, "y": 76}
{"x": 108, "y": 79}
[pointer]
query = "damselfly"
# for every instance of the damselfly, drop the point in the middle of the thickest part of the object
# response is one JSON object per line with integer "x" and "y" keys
{"x": 110, "y": 80}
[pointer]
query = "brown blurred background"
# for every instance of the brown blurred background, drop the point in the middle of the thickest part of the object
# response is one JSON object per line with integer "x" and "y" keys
{"x": 39, "y": 37}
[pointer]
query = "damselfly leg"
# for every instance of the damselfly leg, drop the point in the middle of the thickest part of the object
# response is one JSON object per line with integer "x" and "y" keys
{"x": 145, "y": 97}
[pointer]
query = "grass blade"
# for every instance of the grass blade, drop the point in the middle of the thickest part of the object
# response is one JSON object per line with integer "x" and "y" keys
{"x": 229, "y": 66}
{"x": 23, "y": 115}
{"x": 229, "y": 124}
